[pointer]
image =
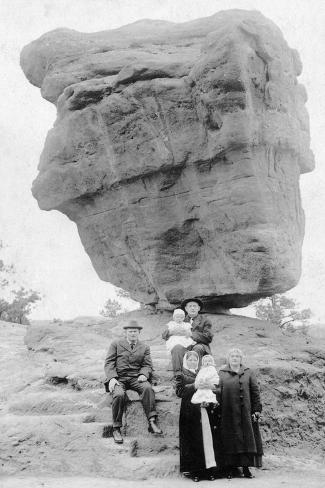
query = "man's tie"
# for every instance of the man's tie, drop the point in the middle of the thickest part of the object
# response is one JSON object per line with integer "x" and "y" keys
{"x": 191, "y": 321}
{"x": 132, "y": 346}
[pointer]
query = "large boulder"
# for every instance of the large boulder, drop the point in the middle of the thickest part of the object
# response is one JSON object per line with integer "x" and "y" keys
{"x": 177, "y": 151}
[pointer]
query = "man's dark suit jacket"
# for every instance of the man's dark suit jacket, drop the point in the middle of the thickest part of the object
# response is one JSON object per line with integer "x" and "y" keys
{"x": 122, "y": 362}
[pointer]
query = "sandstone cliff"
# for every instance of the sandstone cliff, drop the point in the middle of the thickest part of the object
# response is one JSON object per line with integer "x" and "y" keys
{"x": 177, "y": 151}
{"x": 55, "y": 415}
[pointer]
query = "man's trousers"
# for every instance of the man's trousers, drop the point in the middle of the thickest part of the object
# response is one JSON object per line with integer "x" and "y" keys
{"x": 145, "y": 391}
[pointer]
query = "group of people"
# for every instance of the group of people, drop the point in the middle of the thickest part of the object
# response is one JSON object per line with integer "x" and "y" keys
{"x": 220, "y": 410}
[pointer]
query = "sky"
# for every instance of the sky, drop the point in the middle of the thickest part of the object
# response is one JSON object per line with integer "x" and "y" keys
{"x": 44, "y": 246}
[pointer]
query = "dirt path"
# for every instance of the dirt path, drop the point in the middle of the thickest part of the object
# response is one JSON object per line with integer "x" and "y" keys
{"x": 263, "y": 480}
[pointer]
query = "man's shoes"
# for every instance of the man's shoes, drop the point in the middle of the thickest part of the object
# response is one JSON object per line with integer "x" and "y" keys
{"x": 247, "y": 473}
{"x": 118, "y": 439}
{"x": 153, "y": 427}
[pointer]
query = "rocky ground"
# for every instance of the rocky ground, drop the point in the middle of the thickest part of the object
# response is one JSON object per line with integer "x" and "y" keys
{"x": 55, "y": 416}
{"x": 298, "y": 479}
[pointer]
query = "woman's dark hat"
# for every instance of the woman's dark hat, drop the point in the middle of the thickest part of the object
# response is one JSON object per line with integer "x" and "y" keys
{"x": 196, "y": 300}
{"x": 133, "y": 324}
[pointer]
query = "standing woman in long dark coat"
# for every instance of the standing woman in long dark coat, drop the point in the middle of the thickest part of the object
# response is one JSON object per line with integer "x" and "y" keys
{"x": 240, "y": 407}
{"x": 198, "y": 438}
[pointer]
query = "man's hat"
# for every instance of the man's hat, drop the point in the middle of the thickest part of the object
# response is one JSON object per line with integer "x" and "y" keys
{"x": 196, "y": 300}
{"x": 133, "y": 324}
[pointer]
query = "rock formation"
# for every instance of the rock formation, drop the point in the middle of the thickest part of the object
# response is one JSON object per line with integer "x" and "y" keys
{"x": 177, "y": 151}
{"x": 55, "y": 416}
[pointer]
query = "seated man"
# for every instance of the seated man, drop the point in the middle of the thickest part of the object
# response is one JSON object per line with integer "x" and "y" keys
{"x": 201, "y": 333}
{"x": 128, "y": 366}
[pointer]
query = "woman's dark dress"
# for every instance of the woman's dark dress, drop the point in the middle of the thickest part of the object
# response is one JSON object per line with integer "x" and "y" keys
{"x": 241, "y": 442}
{"x": 192, "y": 459}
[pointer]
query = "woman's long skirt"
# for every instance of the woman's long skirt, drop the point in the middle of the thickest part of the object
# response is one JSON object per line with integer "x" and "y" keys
{"x": 193, "y": 453}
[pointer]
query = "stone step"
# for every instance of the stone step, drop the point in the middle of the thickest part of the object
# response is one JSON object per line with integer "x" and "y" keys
{"x": 135, "y": 423}
{"x": 143, "y": 444}
{"x": 56, "y": 401}
{"x": 62, "y": 444}
{"x": 74, "y": 406}
{"x": 59, "y": 400}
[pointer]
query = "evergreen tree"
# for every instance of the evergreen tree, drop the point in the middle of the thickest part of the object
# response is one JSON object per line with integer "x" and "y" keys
{"x": 281, "y": 311}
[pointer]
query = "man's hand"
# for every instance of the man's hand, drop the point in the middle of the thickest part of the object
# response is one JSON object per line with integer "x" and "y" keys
{"x": 142, "y": 378}
{"x": 112, "y": 383}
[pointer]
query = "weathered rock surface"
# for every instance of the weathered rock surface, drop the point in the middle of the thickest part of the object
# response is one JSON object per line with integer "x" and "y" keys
{"x": 54, "y": 412}
{"x": 177, "y": 151}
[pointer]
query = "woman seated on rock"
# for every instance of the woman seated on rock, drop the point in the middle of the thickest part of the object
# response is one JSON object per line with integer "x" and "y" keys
{"x": 240, "y": 407}
{"x": 198, "y": 438}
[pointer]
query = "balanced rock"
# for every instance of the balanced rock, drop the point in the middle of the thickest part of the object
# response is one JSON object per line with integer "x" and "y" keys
{"x": 177, "y": 151}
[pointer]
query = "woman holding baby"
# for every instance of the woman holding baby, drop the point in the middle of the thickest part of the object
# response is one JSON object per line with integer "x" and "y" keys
{"x": 198, "y": 436}
{"x": 218, "y": 426}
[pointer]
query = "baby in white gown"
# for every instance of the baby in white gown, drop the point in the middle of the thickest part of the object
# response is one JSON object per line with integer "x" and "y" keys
{"x": 208, "y": 373}
{"x": 180, "y": 332}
